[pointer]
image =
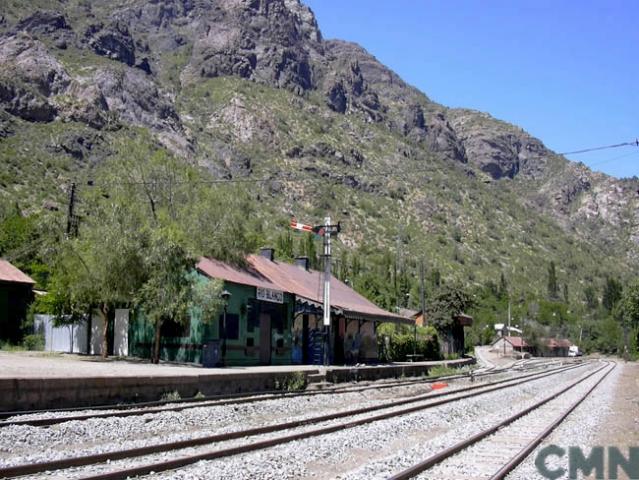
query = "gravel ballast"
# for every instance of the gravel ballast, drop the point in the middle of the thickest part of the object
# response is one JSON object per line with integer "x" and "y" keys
{"x": 325, "y": 456}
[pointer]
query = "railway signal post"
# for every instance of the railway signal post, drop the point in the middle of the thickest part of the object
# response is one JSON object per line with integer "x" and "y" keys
{"x": 327, "y": 230}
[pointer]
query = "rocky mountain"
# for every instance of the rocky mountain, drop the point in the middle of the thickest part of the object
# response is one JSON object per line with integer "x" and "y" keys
{"x": 250, "y": 88}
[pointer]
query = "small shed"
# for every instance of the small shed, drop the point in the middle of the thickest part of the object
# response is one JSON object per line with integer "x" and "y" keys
{"x": 451, "y": 340}
{"x": 508, "y": 345}
{"x": 556, "y": 347}
{"x": 16, "y": 293}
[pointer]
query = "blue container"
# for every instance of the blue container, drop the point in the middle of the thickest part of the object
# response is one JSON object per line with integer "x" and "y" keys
{"x": 211, "y": 354}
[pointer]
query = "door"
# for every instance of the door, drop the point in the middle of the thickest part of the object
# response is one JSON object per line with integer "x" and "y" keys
{"x": 265, "y": 338}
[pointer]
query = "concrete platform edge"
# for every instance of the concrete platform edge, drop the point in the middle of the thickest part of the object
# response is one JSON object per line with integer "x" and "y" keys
{"x": 18, "y": 394}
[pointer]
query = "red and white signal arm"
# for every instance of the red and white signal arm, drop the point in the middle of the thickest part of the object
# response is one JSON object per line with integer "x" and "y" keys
{"x": 301, "y": 226}
{"x": 317, "y": 229}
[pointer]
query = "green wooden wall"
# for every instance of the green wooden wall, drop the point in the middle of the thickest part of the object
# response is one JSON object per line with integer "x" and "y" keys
{"x": 186, "y": 346}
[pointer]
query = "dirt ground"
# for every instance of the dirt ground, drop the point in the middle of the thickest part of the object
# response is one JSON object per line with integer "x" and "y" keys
{"x": 621, "y": 427}
{"x": 48, "y": 365}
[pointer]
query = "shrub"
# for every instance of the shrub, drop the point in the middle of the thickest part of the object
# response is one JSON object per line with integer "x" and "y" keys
{"x": 171, "y": 396}
{"x": 442, "y": 371}
{"x": 401, "y": 345}
{"x": 293, "y": 382}
{"x": 33, "y": 342}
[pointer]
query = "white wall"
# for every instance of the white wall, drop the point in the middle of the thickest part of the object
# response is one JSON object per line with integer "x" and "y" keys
{"x": 65, "y": 338}
{"x": 121, "y": 333}
{"x": 97, "y": 327}
{"x": 498, "y": 347}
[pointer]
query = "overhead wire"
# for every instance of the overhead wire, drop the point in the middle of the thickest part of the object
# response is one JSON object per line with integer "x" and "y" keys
{"x": 594, "y": 149}
{"x": 625, "y": 155}
{"x": 411, "y": 176}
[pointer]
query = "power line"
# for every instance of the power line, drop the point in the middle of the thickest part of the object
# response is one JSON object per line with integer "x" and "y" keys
{"x": 369, "y": 171}
{"x": 594, "y": 149}
{"x": 625, "y": 155}
{"x": 273, "y": 176}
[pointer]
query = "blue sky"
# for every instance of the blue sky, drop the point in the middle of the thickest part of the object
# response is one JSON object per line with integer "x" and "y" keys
{"x": 566, "y": 71}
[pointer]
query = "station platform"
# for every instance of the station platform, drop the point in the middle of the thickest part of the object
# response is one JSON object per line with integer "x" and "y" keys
{"x": 31, "y": 380}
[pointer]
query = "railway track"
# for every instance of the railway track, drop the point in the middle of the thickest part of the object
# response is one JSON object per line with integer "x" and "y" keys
{"x": 180, "y": 405}
{"x": 380, "y": 412}
{"x": 505, "y": 445}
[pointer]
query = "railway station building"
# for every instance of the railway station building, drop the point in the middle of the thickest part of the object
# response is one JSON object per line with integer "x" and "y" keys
{"x": 273, "y": 317}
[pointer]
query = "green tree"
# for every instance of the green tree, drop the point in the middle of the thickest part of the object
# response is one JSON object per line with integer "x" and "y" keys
{"x": 612, "y": 293}
{"x": 448, "y": 301}
{"x": 16, "y": 231}
{"x": 309, "y": 250}
{"x": 216, "y": 220}
{"x": 344, "y": 268}
{"x": 171, "y": 291}
{"x": 435, "y": 278}
{"x": 553, "y": 286}
{"x": 590, "y": 297}
{"x": 356, "y": 265}
{"x": 502, "y": 292}
{"x": 101, "y": 269}
{"x": 140, "y": 239}
{"x": 285, "y": 245}
{"x": 629, "y": 306}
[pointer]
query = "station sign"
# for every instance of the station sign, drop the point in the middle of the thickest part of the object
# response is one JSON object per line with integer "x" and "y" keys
{"x": 269, "y": 295}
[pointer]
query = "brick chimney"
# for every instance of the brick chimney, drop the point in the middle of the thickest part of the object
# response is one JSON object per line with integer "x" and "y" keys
{"x": 302, "y": 262}
{"x": 268, "y": 252}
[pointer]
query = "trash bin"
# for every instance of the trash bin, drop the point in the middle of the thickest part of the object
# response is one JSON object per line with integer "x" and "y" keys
{"x": 211, "y": 354}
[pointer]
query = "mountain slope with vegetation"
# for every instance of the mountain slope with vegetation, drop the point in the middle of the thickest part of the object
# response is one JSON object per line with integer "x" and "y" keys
{"x": 248, "y": 91}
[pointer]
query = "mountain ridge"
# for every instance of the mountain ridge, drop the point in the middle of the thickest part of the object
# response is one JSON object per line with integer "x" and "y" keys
{"x": 246, "y": 88}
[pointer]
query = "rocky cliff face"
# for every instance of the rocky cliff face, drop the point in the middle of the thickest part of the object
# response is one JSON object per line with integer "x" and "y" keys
{"x": 158, "y": 65}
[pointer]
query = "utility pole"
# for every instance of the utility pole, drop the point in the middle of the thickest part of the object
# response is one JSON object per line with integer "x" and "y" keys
{"x": 522, "y": 301}
{"x": 327, "y": 231}
{"x": 507, "y": 328}
{"x": 327, "y": 287}
{"x": 70, "y": 212}
{"x": 422, "y": 298}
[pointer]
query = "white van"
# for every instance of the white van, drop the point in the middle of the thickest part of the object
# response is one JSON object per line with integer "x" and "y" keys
{"x": 574, "y": 351}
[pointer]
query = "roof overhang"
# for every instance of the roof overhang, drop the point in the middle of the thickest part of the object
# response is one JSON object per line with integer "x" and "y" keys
{"x": 311, "y": 307}
{"x": 378, "y": 318}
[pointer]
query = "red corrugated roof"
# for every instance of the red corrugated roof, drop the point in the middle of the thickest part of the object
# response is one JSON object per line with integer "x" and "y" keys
{"x": 310, "y": 284}
{"x": 558, "y": 343}
{"x": 516, "y": 341}
{"x": 243, "y": 276}
{"x": 9, "y": 273}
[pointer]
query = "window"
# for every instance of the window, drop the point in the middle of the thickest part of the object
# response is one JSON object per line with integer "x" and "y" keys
{"x": 278, "y": 318}
{"x": 232, "y": 326}
{"x": 252, "y": 315}
{"x": 170, "y": 328}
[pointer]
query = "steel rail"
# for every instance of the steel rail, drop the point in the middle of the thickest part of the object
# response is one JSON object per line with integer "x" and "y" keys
{"x": 527, "y": 450}
{"x": 462, "y": 445}
{"x": 265, "y": 394}
{"x": 466, "y": 392}
{"x": 130, "y": 410}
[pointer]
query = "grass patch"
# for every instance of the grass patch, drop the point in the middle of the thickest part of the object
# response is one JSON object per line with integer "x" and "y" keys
{"x": 442, "y": 371}
{"x": 293, "y": 382}
{"x": 173, "y": 396}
